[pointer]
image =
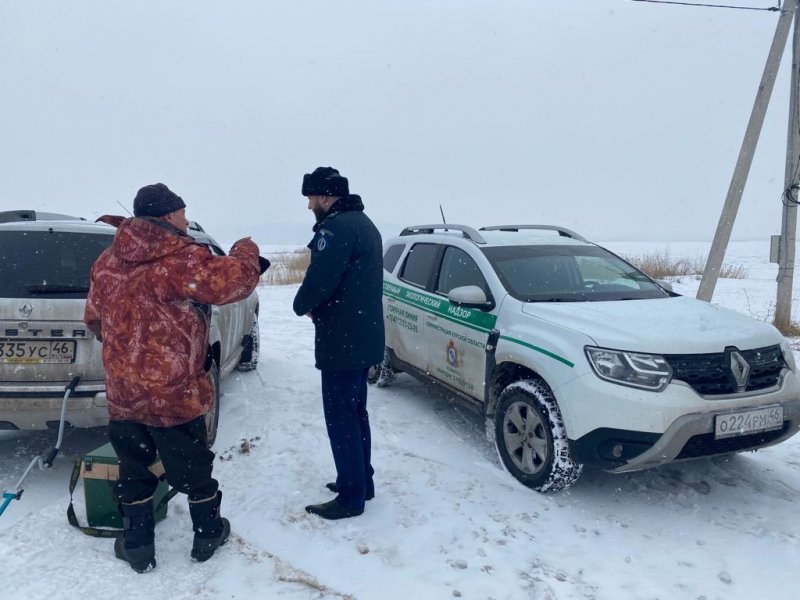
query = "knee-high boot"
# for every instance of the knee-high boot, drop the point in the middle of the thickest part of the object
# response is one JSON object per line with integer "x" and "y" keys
{"x": 210, "y": 530}
{"x": 136, "y": 545}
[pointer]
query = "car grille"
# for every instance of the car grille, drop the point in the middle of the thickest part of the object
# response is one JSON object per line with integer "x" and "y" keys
{"x": 706, "y": 445}
{"x": 710, "y": 374}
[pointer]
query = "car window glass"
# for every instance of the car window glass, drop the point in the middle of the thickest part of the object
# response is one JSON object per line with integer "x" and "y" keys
{"x": 569, "y": 273}
{"x": 596, "y": 271}
{"x": 391, "y": 256}
{"x": 419, "y": 264}
{"x": 543, "y": 274}
{"x": 458, "y": 269}
{"x": 48, "y": 264}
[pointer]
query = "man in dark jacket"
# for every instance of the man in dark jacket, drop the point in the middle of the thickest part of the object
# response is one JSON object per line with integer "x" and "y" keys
{"x": 148, "y": 305}
{"x": 342, "y": 293}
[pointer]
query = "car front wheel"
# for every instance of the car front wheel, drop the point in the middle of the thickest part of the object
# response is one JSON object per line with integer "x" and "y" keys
{"x": 249, "y": 358}
{"x": 212, "y": 416}
{"x": 531, "y": 438}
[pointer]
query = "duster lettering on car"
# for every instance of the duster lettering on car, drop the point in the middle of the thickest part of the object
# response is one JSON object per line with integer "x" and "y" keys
{"x": 35, "y": 333}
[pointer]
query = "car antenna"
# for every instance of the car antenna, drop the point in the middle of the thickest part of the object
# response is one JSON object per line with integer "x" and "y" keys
{"x": 443, "y": 219}
{"x": 124, "y": 208}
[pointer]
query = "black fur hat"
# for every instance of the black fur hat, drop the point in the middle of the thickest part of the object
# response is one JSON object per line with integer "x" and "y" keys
{"x": 156, "y": 200}
{"x": 325, "y": 181}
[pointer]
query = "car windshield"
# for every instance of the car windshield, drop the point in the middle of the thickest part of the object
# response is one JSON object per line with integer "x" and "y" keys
{"x": 561, "y": 273}
{"x": 48, "y": 264}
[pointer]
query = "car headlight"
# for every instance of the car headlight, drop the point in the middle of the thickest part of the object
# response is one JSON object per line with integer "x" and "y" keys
{"x": 788, "y": 355}
{"x": 634, "y": 369}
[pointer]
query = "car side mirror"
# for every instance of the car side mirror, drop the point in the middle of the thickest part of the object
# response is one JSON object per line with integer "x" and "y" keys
{"x": 470, "y": 296}
{"x": 665, "y": 284}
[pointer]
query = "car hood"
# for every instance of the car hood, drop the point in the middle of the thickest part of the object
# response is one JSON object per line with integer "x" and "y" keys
{"x": 676, "y": 325}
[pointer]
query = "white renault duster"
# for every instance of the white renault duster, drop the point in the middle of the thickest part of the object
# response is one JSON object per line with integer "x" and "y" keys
{"x": 575, "y": 356}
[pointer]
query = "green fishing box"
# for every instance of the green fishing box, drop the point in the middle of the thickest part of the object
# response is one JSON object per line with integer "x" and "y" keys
{"x": 100, "y": 471}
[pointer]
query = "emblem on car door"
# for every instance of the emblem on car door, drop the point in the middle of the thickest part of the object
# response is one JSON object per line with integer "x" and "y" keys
{"x": 453, "y": 357}
{"x": 26, "y": 309}
{"x": 740, "y": 369}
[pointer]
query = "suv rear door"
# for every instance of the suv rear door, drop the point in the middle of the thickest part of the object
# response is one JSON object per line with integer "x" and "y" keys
{"x": 404, "y": 302}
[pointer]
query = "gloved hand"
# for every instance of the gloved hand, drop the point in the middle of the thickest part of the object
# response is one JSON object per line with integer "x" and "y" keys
{"x": 263, "y": 264}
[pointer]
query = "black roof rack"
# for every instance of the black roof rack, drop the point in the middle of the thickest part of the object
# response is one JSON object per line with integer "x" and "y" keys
{"x": 468, "y": 232}
{"x": 15, "y": 216}
{"x": 562, "y": 231}
{"x": 195, "y": 226}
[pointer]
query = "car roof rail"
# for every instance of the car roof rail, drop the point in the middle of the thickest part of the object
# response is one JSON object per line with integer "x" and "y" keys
{"x": 10, "y": 216}
{"x": 469, "y": 232}
{"x": 562, "y": 231}
{"x": 16, "y": 216}
{"x": 195, "y": 226}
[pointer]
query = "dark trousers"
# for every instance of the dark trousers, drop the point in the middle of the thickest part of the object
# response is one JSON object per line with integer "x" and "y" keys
{"x": 344, "y": 399}
{"x": 183, "y": 451}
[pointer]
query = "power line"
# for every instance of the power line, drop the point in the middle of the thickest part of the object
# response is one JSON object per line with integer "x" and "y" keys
{"x": 775, "y": 8}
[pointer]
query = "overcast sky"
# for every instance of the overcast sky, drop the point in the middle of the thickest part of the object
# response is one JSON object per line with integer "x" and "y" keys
{"x": 621, "y": 120}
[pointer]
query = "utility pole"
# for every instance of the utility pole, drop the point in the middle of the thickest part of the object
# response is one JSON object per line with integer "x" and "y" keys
{"x": 745, "y": 160}
{"x": 783, "y": 301}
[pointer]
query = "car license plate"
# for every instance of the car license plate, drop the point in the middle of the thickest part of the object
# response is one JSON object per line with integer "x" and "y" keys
{"x": 750, "y": 421}
{"x": 35, "y": 352}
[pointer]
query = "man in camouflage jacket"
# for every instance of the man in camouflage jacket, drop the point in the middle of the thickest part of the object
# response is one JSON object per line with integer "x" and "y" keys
{"x": 148, "y": 304}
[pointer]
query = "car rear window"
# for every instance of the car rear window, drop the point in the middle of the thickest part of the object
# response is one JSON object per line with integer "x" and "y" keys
{"x": 48, "y": 264}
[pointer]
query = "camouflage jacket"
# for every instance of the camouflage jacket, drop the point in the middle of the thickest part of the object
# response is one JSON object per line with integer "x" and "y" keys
{"x": 146, "y": 303}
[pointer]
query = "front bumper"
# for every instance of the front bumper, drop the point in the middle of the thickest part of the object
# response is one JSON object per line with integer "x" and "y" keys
{"x": 692, "y": 436}
{"x": 689, "y": 436}
{"x": 86, "y": 407}
{"x": 655, "y": 428}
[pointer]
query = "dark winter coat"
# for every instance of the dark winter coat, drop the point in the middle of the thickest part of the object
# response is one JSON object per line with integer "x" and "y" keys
{"x": 343, "y": 288}
{"x": 146, "y": 299}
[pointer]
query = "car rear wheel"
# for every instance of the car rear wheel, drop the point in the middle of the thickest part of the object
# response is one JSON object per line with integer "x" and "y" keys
{"x": 531, "y": 438}
{"x": 249, "y": 358}
{"x": 382, "y": 374}
{"x": 212, "y": 416}
{"x": 373, "y": 373}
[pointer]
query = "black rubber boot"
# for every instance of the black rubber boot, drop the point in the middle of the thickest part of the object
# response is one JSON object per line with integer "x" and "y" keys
{"x": 136, "y": 545}
{"x": 210, "y": 530}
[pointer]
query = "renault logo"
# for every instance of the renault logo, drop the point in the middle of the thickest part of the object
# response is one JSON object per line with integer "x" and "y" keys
{"x": 25, "y": 310}
{"x": 740, "y": 369}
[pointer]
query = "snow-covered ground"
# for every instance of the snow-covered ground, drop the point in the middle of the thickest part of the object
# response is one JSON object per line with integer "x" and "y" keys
{"x": 447, "y": 521}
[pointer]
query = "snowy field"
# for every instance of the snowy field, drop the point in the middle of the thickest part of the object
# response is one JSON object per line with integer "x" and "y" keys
{"x": 447, "y": 521}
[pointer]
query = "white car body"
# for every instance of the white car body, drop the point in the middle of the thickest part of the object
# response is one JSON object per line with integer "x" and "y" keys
{"x": 475, "y": 353}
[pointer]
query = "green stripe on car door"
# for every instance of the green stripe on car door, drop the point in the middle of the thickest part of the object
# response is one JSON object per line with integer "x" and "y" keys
{"x": 473, "y": 319}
